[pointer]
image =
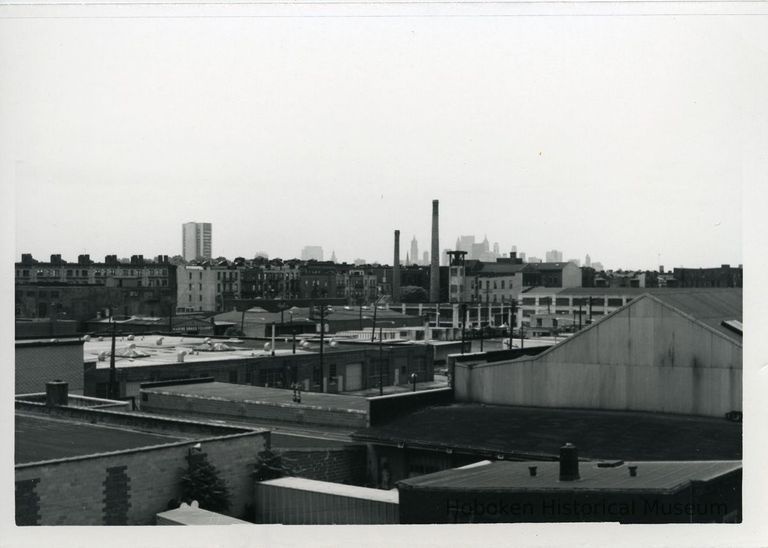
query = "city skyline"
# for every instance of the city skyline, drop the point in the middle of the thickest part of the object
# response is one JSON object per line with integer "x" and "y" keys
{"x": 580, "y": 171}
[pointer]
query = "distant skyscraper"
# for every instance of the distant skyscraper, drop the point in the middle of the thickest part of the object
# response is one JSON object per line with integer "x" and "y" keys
{"x": 577, "y": 262}
{"x": 554, "y": 256}
{"x": 262, "y": 254}
{"x": 521, "y": 255}
{"x": 465, "y": 243}
{"x": 496, "y": 250}
{"x": 534, "y": 260}
{"x": 196, "y": 240}
{"x": 414, "y": 254}
{"x": 587, "y": 260}
{"x": 425, "y": 258}
{"x": 445, "y": 258}
{"x": 333, "y": 256}
{"x": 310, "y": 252}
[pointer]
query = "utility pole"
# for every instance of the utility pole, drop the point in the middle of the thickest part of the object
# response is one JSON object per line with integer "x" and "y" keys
{"x": 381, "y": 362}
{"x": 322, "y": 345}
{"x": 463, "y": 325}
{"x": 373, "y": 327}
{"x": 590, "y": 309}
{"x": 112, "y": 372}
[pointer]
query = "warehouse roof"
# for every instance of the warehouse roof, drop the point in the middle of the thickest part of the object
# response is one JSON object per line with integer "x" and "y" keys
{"x": 653, "y": 476}
{"x": 260, "y": 394}
{"x": 711, "y": 307}
{"x": 46, "y": 438}
{"x": 533, "y": 432}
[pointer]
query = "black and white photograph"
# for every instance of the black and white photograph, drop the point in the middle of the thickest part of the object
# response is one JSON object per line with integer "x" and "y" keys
{"x": 448, "y": 271}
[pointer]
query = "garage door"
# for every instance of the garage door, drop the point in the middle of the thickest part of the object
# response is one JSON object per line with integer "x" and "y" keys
{"x": 354, "y": 377}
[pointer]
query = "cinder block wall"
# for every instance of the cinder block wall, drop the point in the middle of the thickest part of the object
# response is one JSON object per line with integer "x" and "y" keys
{"x": 36, "y": 365}
{"x": 130, "y": 487}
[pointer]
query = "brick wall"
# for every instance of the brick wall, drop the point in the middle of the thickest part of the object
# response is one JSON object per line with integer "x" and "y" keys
{"x": 337, "y": 465}
{"x": 38, "y": 364}
{"x": 130, "y": 487}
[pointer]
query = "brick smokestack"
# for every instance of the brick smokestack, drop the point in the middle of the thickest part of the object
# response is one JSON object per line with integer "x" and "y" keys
{"x": 396, "y": 270}
{"x": 434, "y": 270}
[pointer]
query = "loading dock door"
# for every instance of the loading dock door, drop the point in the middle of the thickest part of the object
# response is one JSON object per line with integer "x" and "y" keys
{"x": 354, "y": 377}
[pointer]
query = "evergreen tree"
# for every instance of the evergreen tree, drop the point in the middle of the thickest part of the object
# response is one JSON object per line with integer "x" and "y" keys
{"x": 201, "y": 482}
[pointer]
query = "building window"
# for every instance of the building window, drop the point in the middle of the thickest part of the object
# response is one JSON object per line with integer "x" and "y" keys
{"x": 502, "y": 284}
{"x": 614, "y": 301}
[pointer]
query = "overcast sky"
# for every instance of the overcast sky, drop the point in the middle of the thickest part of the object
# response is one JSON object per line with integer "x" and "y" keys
{"x": 619, "y": 137}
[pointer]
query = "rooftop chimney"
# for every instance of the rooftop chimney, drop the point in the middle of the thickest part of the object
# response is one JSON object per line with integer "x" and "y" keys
{"x": 396, "y": 270}
{"x": 434, "y": 270}
{"x": 84, "y": 259}
{"x": 569, "y": 463}
{"x": 56, "y": 393}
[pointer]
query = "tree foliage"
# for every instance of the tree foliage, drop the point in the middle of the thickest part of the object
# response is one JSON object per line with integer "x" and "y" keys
{"x": 201, "y": 482}
{"x": 413, "y": 294}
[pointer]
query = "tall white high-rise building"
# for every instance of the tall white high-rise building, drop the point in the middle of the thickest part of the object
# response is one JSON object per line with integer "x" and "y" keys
{"x": 197, "y": 240}
{"x": 414, "y": 254}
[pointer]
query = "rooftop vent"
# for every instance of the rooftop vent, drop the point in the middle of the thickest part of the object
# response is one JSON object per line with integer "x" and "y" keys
{"x": 56, "y": 393}
{"x": 569, "y": 463}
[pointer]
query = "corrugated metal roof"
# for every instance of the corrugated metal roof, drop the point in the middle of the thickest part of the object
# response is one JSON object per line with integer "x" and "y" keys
{"x": 660, "y": 476}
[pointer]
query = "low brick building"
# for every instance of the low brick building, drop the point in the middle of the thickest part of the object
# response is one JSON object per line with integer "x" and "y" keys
{"x": 79, "y": 466}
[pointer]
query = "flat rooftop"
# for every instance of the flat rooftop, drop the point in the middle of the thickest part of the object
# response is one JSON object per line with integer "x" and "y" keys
{"x": 45, "y": 438}
{"x": 151, "y": 350}
{"x": 655, "y": 476}
{"x": 259, "y": 394}
{"x": 526, "y": 433}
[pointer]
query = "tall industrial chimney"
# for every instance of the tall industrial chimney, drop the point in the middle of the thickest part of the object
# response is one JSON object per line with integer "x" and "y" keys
{"x": 434, "y": 271}
{"x": 396, "y": 270}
